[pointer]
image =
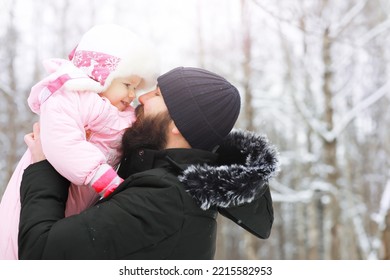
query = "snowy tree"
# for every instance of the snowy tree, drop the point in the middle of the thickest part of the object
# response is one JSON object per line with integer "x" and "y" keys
{"x": 313, "y": 77}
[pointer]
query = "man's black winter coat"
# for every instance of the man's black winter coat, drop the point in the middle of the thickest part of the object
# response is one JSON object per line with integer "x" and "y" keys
{"x": 165, "y": 209}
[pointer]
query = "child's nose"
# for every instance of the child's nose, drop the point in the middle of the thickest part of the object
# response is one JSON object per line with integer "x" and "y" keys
{"x": 132, "y": 93}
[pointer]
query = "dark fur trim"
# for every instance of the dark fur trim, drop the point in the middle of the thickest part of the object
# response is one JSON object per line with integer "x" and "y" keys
{"x": 248, "y": 162}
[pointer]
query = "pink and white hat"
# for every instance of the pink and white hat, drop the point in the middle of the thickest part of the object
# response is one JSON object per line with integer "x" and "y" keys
{"x": 109, "y": 51}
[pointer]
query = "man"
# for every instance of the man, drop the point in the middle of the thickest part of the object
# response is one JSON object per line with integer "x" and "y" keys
{"x": 182, "y": 168}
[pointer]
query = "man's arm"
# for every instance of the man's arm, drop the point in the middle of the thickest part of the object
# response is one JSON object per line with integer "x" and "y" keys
{"x": 120, "y": 227}
{"x": 123, "y": 226}
{"x": 43, "y": 196}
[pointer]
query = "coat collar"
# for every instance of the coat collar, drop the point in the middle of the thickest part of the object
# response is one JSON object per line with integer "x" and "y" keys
{"x": 236, "y": 174}
{"x": 178, "y": 159}
{"x": 247, "y": 161}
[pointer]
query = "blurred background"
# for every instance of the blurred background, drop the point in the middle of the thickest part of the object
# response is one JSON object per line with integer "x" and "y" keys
{"x": 313, "y": 75}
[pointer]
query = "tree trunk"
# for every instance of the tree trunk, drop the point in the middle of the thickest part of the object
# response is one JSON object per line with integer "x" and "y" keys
{"x": 386, "y": 238}
{"x": 330, "y": 146}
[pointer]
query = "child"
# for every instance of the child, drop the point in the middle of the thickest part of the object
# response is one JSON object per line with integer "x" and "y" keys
{"x": 84, "y": 107}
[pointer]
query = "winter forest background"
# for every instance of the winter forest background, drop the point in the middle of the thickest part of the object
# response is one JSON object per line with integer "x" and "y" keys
{"x": 314, "y": 77}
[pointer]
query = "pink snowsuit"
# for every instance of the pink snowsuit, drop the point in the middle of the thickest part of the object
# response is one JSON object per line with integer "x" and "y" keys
{"x": 65, "y": 116}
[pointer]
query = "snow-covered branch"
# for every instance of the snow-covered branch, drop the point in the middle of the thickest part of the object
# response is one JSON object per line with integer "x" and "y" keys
{"x": 340, "y": 26}
{"x": 384, "y": 207}
{"x": 377, "y": 30}
{"x": 283, "y": 193}
{"x": 315, "y": 124}
{"x": 319, "y": 127}
{"x": 364, "y": 104}
{"x": 385, "y": 201}
{"x": 6, "y": 90}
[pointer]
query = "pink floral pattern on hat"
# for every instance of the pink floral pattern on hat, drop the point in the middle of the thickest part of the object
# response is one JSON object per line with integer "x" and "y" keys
{"x": 95, "y": 64}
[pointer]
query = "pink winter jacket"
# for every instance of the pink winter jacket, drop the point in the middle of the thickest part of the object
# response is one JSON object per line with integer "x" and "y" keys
{"x": 65, "y": 116}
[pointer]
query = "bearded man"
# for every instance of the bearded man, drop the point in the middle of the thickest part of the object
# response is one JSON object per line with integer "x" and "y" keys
{"x": 182, "y": 165}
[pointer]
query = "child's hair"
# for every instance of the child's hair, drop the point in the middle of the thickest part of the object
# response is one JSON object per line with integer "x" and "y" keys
{"x": 109, "y": 51}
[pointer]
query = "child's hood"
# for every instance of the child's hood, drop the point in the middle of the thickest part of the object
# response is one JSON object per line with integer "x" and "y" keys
{"x": 62, "y": 74}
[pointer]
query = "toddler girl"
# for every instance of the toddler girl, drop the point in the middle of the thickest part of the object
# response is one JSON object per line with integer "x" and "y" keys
{"x": 84, "y": 107}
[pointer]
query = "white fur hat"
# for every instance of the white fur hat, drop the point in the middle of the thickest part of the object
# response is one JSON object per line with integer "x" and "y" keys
{"x": 109, "y": 51}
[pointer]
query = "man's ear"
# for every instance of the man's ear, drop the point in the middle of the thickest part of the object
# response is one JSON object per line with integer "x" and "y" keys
{"x": 175, "y": 138}
{"x": 174, "y": 129}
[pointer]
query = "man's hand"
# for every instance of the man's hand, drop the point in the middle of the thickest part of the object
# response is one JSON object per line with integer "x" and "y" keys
{"x": 33, "y": 141}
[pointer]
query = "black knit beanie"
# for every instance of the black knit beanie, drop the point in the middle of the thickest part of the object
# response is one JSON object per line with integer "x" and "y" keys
{"x": 203, "y": 105}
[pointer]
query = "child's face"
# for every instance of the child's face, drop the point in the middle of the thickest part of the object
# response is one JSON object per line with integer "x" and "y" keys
{"x": 121, "y": 92}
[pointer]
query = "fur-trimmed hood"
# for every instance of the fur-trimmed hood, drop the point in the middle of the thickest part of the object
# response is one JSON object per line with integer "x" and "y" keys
{"x": 247, "y": 161}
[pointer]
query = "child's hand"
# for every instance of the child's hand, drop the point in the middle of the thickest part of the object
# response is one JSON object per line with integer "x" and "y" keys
{"x": 33, "y": 141}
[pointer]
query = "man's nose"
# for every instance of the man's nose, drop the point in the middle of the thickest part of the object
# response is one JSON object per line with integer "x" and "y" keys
{"x": 144, "y": 97}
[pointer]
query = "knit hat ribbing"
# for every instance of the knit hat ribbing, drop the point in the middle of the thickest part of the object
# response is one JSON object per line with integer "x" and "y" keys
{"x": 203, "y": 105}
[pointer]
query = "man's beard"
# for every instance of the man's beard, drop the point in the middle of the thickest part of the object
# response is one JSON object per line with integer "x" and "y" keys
{"x": 146, "y": 132}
